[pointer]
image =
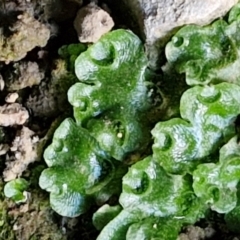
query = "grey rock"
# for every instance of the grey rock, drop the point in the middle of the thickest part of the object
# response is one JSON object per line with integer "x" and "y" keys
{"x": 91, "y": 23}
{"x": 157, "y": 20}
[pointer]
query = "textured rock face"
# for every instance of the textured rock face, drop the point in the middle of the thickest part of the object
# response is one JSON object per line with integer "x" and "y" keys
{"x": 157, "y": 20}
{"x": 91, "y": 23}
{"x": 13, "y": 114}
{"x": 27, "y": 33}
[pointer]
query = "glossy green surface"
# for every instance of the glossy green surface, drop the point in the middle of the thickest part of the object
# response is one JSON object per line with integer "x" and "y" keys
{"x": 153, "y": 202}
{"x": 78, "y": 168}
{"x": 209, "y": 54}
{"x": 110, "y": 102}
{"x": 143, "y": 190}
{"x": 104, "y": 215}
{"x": 112, "y": 98}
{"x": 113, "y": 109}
{"x": 208, "y": 114}
{"x": 216, "y": 183}
{"x": 15, "y": 190}
{"x": 154, "y": 228}
{"x": 125, "y": 227}
{"x": 71, "y": 52}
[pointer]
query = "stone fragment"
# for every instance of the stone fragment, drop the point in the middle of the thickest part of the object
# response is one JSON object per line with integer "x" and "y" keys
{"x": 13, "y": 114}
{"x": 2, "y": 83}
{"x": 157, "y": 20}
{"x": 25, "y": 74}
{"x": 91, "y": 23}
{"x": 3, "y": 148}
{"x": 27, "y": 33}
{"x": 192, "y": 233}
{"x": 25, "y": 151}
{"x": 11, "y": 97}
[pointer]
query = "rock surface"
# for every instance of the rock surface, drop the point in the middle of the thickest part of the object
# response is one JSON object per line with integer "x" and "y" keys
{"x": 157, "y": 20}
{"x": 13, "y": 114}
{"x": 27, "y": 33}
{"x": 24, "y": 149}
{"x": 24, "y": 74}
{"x": 91, "y": 23}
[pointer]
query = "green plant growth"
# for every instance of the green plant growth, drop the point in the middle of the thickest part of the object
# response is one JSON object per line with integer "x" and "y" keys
{"x": 110, "y": 107}
{"x": 187, "y": 174}
{"x": 113, "y": 95}
{"x": 152, "y": 194}
{"x": 104, "y": 215}
{"x": 208, "y": 54}
{"x": 70, "y": 53}
{"x": 16, "y": 190}
{"x": 78, "y": 169}
{"x": 216, "y": 183}
{"x": 207, "y": 114}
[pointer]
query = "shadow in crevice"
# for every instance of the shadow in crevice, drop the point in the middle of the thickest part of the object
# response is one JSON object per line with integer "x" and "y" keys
{"x": 124, "y": 14}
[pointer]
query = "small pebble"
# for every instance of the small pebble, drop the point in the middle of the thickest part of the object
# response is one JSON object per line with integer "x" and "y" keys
{"x": 11, "y": 97}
